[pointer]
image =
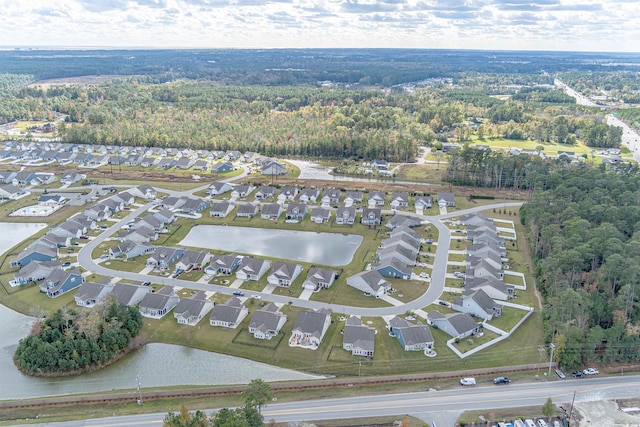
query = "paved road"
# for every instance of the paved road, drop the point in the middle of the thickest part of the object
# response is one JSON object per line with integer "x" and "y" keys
{"x": 429, "y": 297}
{"x": 440, "y": 406}
{"x": 630, "y": 137}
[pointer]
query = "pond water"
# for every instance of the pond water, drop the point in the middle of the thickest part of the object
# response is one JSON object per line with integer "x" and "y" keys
{"x": 321, "y": 248}
{"x": 155, "y": 364}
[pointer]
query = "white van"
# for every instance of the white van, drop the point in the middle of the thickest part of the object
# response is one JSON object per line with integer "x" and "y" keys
{"x": 468, "y": 381}
{"x": 529, "y": 422}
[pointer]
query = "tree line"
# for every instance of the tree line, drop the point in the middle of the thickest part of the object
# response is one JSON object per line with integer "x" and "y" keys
{"x": 71, "y": 341}
{"x": 584, "y": 232}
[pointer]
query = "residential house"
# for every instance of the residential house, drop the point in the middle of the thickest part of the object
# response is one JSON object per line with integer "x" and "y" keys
{"x": 35, "y": 271}
{"x": 249, "y": 156}
{"x": 232, "y": 155}
{"x": 24, "y": 178}
{"x": 242, "y": 191}
{"x": 265, "y": 192}
{"x": 266, "y": 322}
{"x": 352, "y": 198}
{"x": 310, "y": 327}
{"x": 346, "y": 215}
{"x": 11, "y": 192}
{"x": 221, "y": 167}
{"x": 163, "y": 257}
{"x": 151, "y": 222}
{"x": 247, "y": 210}
{"x": 405, "y": 231}
{"x": 167, "y": 163}
{"x": 220, "y": 209}
{"x": 376, "y": 198}
{"x": 319, "y": 278}
{"x": 458, "y": 325}
{"x": 200, "y": 165}
{"x": 217, "y": 188}
{"x": 401, "y": 253}
{"x": 6, "y": 177}
{"x": 371, "y": 216}
{"x": 129, "y": 294}
{"x": 284, "y": 273}
{"x": 59, "y": 282}
{"x": 138, "y": 235}
{"x": 296, "y": 212}
{"x": 320, "y": 215}
{"x": 370, "y": 282}
{"x": 78, "y": 159}
{"x": 189, "y": 311}
{"x": 129, "y": 249}
{"x": 496, "y": 289}
{"x": 148, "y": 162}
{"x": 273, "y": 168}
{"x": 144, "y": 191}
{"x": 287, "y": 194}
{"x": 165, "y": 216}
{"x": 401, "y": 220}
{"x": 483, "y": 268}
{"x": 423, "y": 202}
{"x": 403, "y": 240}
{"x": 392, "y": 267}
{"x": 52, "y": 199}
{"x": 399, "y": 200}
{"x": 184, "y": 163}
{"x": 193, "y": 259}
{"x": 222, "y": 264}
{"x": 69, "y": 229}
{"x": 331, "y": 196}
{"x": 194, "y": 205}
{"x": 229, "y": 315}
{"x": 133, "y": 160}
{"x": 116, "y": 160}
{"x": 252, "y": 268}
{"x": 156, "y": 304}
{"x": 478, "y": 304}
{"x": 271, "y": 211}
{"x": 412, "y": 337}
{"x": 90, "y": 293}
{"x": 446, "y": 199}
{"x": 34, "y": 253}
{"x": 357, "y": 338}
{"x": 125, "y": 197}
{"x": 69, "y": 178}
{"x": 309, "y": 195}
{"x": 381, "y": 165}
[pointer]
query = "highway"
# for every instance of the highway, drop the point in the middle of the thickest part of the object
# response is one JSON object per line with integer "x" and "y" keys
{"x": 443, "y": 407}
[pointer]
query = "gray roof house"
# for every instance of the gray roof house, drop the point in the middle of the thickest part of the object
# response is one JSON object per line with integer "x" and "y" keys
{"x": 217, "y": 188}
{"x": 352, "y": 198}
{"x": 284, "y": 273}
{"x": 35, "y": 271}
{"x": 138, "y": 235}
{"x": 458, "y": 325}
{"x": 309, "y": 328}
{"x": 402, "y": 254}
{"x": 331, "y": 196}
{"x": 271, "y": 211}
{"x": 399, "y": 200}
{"x": 189, "y": 311}
{"x": 401, "y": 220}
{"x": 346, "y": 215}
{"x": 370, "y": 282}
{"x": 59, "y": 282}
{"x": 90, "y": 293}
{"x": 151, "y": 222}
{"x": 156, "y": 304}
{"x": 164, "y": 257}
{"x": 130, "y": 249}
{"x": 184, "y": 163}
{"x": 193, "y": 259}
{"x": 287, "y": 194}
{"x": 423, "y": 202}
{"x": 446, "y": 199}
{"x": 376, "y": 198}
{"x": 319, "y": 278}
{"x": 247, "y": 210}
{"x": 296, "y": 212}
{"x": 478, "y": 304}
{"x": 265, "y": 192}
{"x": 252, "y": 268}
{"x": 402, "y": 240}
{"x": 220, "y": 209}
{"x": 493, "y": 287}
{"x": 34, "y": 253}
{"x": 357, "y": 338}
{"x": 483, "y": 268}
{"x": 144, "y": 191}
{"x": 371, "y": 216}
{"x": 267, "y": 322}
{"x": 129, "y": 294}
{"x": 412, "y": 337}
{"x": 242, "y": 191}
{"x": 165, "y": 216}
{"x": 224, "y": 264}
{"x": 309, "y": 195}
{"x": 392, "y": 267}
{"x": 320, "y": 215}
{"x": 228, "y": 315}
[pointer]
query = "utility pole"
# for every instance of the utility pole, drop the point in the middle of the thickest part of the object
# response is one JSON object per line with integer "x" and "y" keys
{"x": 553, "y": 347}
{"x": 139, "y": 391}
{"x": 571, "y": 409}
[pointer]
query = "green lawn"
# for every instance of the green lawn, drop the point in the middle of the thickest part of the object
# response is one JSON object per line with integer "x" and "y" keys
{"x": 469, "y": 343}
{"x": 508, "y": 319}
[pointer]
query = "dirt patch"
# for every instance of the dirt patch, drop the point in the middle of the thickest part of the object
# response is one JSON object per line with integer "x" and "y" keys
{"x": 629, "y": 404}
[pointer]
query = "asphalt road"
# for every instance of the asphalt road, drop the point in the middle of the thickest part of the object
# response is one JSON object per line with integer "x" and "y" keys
{"x": 630, "y": 138}
{"x": 440, "y": 406}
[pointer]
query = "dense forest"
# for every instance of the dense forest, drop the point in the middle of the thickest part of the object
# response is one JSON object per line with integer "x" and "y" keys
{"x": 584, "y": 225}
{"x": 73, "y": 342}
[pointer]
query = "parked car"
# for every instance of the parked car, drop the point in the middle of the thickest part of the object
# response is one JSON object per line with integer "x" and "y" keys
{"x": 560, "y": 374}
{"x": 458, "y": 274}
{"x": 428, "y": 241}
{"x": 146, "y": 284}
{"x": 591, "y": 371}
{"x": 501, "y": 380}
{"x": 256, "y": 296}
{"x": 238, "y": 293}
{"x": 468, "y": 381}
{"x": 444, "y": 303}
{"x": 66, "y": 264}
{"x": 424, "y": 275}
{"x": 576, "y": 374}
{"x": 83, "y": 237}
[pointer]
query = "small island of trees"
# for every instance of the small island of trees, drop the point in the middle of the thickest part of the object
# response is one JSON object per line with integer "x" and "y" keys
{"x": 69, "y": 342}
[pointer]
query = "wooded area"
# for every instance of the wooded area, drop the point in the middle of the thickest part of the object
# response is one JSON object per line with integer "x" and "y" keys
{"x": 72, "y": 342}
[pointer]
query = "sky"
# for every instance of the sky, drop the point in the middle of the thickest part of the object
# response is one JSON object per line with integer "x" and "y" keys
{"x": 566, "y": 25}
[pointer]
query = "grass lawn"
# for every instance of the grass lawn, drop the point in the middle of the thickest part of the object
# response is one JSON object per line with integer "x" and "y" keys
{"x": 469, "y": 343}
{"x": 514, "y": 280}
{"x": 409, "y": 289}
{"x": 457, "y": 258}
{"x": 133, "y": 265}
{"x": 428, "y": 172}
{"x": 508, "y": 319}
{"x": 550, "y": 148}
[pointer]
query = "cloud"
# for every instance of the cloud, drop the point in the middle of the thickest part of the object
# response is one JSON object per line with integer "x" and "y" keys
{"x": 103, "y": 5}
{"x": 355, "y": 6}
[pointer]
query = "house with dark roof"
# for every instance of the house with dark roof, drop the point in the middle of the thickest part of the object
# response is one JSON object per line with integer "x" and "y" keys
{"x": 402, "y": 240}
{"x": 220, "y": 209}
{"x": 412, "y": 337}
{"x": 399, "y": 200}
{"x": 287, "y": 194}
{"x": 242, "y": 191}
{"x": 222, "y": 264}
{"x": 221, "y": 167}
{"x": 331, "y": 196}
{"x": 247, "y": 210}
{"x": 271, "y": 211}
{"x": 320, "y": 215}
{"x": 193, "y": 259}
{"x": 217, "y": 188}
{"x": 458, "y": 325}
{"x": 34, "y": 253}
{"x": 167, "y": 163}
{"x": 446, "y": 199}
{"x": 156, "y": 304}
{"x": 352, "y": 198}
{"x": 273, "y": 168}
{"x": 59, "y": 282}
{"x": 423, "y": 202}
{"x": 129, "y": 294}
{"x": 194, "y": 205}
{"x": 265, "y": 192}
{"x": 12, "y": 192}
{"x": 252, "y": 268}
{"x": 399, "y": 252}
{"x": 165, "y": 216}
{"x": 91, "y": 293}
{"x": 151, "y": 222}
{"x": 357, "y": 338}
{"x": 184, "y": 163}
{"x": 401, "y": 220}
{"x": 129, "y": 249}
{"x": 189, "y": 311}
{"x": 35, "y": 271}
{"x": 376, "y": 198}
{"x": 296, "y": 212}
{"x": 370, "y": 282}
{"x": 284, "y": 273}
{"x": 478, "y": 304}
{"x": 201, "y": 165}
{"x": 493, "y": 287}
{"x": 319, "y": 278}
{"x": 310, "y": 327}
{"x": 228, "y": 315}
{"x": 370, "y": 216}
{"x": 346, "y": 215}
{"x": 267, "y": 322}
{"x": 391, "y": 267}
{"x": 163, "y": 257}
{"x": 138, "y": 235}
{"x": 309, "y": 195}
